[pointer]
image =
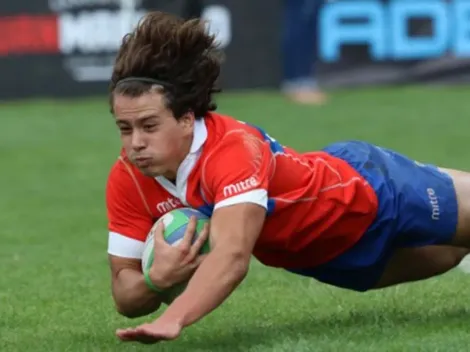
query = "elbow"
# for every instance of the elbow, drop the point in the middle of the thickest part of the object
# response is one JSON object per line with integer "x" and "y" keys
{"x": 132, "y": 310}
{"x": 127, "y": 312}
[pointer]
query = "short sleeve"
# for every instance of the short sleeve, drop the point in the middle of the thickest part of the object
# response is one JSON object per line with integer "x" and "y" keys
{"x": 237, "y": 170}
{"x": 129, "y": 221}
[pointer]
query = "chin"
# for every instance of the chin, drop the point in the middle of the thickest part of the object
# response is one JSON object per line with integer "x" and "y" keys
{"x": 150, "y": 172}
{"x": 154, "y": 171}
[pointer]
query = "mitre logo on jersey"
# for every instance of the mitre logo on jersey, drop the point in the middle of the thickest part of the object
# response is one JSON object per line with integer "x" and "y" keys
{"x": 239, "y": 187}
{"x": 168, "y": 205}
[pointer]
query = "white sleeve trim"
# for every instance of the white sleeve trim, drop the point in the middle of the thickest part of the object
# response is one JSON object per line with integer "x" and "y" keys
{"x": 125, "y": 247}
{"x": 256, "y": 196}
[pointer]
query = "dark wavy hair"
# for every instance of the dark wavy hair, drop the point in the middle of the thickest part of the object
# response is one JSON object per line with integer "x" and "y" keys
{"x": 178, "y": 54}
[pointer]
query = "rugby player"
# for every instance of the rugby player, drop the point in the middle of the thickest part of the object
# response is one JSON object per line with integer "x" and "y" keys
{"x": 352, "y": 215}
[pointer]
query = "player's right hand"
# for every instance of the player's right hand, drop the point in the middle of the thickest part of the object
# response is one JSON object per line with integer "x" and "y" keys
{"x": 175, "y": 264}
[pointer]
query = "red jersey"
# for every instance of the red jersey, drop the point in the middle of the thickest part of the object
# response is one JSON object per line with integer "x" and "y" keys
{"x": 317, "y": 205}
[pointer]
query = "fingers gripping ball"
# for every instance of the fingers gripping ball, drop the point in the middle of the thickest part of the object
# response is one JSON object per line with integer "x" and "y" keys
{"x": 175, "y": 224}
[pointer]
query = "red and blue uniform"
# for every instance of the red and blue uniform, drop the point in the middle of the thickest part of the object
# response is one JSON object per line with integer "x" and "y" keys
{"x": 335, "y": 214}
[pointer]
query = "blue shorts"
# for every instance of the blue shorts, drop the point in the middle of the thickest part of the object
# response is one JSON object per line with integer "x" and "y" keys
{"x": 417, "y": 207}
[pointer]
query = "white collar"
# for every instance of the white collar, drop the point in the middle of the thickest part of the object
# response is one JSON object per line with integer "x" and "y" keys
{"x": 199, "y": 135}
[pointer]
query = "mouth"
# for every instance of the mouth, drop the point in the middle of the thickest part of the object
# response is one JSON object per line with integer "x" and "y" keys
{"x": 142, "y": 161}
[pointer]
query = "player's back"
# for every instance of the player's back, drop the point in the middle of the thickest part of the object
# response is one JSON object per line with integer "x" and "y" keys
{"x": 318, "y": 205}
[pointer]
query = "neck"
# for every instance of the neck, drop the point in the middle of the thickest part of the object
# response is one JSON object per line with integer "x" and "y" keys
{"x": 170, "y": 176}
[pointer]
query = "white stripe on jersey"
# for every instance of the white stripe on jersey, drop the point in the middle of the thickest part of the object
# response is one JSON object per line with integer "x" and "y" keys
{"x": 125, "y": 247}
{"x": 256, "y": 196}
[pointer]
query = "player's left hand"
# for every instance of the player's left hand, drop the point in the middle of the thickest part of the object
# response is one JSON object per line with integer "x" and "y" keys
{"x": 151, "y": 333}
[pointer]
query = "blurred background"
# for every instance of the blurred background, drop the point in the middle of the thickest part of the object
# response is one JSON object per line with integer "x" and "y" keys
{"x": 310, "y": 72}
{"x": 296, "y": 46}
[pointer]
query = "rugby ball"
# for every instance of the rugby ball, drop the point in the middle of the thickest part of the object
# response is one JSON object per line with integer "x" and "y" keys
{"x": 175, "y": 223}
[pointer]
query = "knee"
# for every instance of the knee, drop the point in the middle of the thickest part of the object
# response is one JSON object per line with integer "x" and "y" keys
{"x": 464, "y": 264}
{"x": 450, "y": 257}
{"x": 459, "y": 255}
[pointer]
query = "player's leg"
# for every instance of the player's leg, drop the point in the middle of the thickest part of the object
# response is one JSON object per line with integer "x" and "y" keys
{"x": 418, "y": 263}
{"x": 415, "y": 264}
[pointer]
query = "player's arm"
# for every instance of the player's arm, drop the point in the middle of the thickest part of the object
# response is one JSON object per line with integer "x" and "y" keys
{"x": 131, "y": 294}
{"x": 235, "y": 230}
{"x": 235, "y": 227}
{"x": 129, "y": 224}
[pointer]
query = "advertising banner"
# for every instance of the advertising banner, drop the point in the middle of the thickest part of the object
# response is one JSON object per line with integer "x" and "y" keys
{"x": 394, "y": 42}
{"x": 61, "y": 47}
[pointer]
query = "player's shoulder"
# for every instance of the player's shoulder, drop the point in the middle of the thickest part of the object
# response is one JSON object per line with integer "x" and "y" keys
{"x": 224, "y": 128}
{"x": 231, "y": 143}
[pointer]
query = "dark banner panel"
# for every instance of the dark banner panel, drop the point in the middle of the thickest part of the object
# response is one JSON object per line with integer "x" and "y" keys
{"x": 250, "y": 34}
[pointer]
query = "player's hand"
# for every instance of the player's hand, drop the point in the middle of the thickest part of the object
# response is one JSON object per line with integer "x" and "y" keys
{"x": 175, "y": 264}
{"x": 154, "y": 332}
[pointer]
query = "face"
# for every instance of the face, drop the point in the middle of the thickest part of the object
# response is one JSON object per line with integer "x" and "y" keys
{"x": 152, "y": 138}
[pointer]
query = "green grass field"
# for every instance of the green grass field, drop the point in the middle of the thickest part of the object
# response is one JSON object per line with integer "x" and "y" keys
{"x": 54, "y": 282}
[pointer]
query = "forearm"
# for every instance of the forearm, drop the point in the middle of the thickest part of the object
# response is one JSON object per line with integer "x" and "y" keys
{"x": 132, "y": 296}
{"x": 216, "y": 278}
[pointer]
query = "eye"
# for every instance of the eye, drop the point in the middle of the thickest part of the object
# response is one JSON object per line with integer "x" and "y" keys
{"x": 125, "y": 130}
{"x": 150, "y": 127}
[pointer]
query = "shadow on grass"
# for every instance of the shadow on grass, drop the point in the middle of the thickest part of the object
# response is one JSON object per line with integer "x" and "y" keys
{"x": 368, "y": 323}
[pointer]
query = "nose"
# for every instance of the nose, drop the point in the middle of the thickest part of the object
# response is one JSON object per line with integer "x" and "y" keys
{"x": 138, "y": 140}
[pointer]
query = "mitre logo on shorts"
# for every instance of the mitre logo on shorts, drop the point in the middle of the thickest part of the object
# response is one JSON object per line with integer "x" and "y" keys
{"x": 168, "y": 205}
{"x": 239, "y": 187}
{"x": 434, "y": 201}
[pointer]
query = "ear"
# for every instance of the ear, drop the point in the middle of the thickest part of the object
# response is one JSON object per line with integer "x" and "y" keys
{"x": 187, "y": 121}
